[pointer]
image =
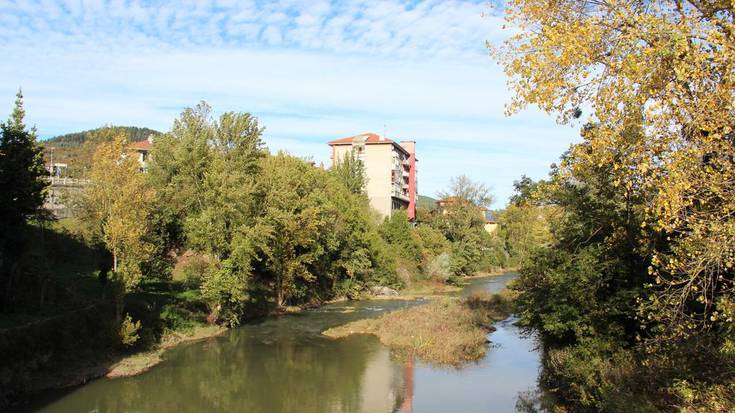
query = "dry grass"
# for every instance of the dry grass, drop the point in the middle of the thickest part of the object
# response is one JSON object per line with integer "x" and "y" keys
{"x": 428, "y": 288}
{"x": 448, "y": 331}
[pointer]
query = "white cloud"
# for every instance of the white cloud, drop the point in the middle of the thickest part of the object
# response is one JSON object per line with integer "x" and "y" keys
{"x": 312, "y": 71}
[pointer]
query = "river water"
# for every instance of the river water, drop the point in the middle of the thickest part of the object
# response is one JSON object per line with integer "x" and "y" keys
{"x": 284, "y": 364}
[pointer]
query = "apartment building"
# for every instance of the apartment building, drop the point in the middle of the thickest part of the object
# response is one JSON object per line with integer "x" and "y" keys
{"x": 390, "y": 167}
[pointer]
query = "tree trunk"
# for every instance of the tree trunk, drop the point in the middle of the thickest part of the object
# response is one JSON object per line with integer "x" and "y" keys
{"x": 279, "y": 290}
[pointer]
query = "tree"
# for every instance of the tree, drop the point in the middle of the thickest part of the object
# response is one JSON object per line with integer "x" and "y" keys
{"x": 525, "y": 188}
{"x": 669, "y": 64}
{"x": 23, "y": 185}
{"x": 115, "y": 207}
{"x": 667, "y": 69}
{"x": 350, "y": 170}
{"x": 177, "y": 169}
{"x": 462, "y": 223}
{"x": 204, "y": 171}
{"x": 525, "y": 224}
{"x": 463, "y": 188}
{"x": 308, "y": 240}
{"x": 227, "y": 192}
{"x": 22, "y": 171}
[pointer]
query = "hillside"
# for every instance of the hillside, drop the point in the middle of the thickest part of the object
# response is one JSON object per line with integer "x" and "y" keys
{"x": 426, "y": 202}
{"x": 71, "y": 149}
{"x": 70, "y": 140}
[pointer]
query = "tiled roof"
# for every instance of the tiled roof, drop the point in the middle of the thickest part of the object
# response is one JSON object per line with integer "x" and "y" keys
{"x": 369, "y": 138}
{"x": 449, "y": 200}
{"x": 141, "y": 145}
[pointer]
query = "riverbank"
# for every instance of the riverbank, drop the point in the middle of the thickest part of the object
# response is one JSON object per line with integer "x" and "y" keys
{"x": 284, "y": 363}
{"x": 78, "y": 369}
{"x": 116, "y": 365}
{"x": 447, "y": 331}
{"x": 141, "y": 362}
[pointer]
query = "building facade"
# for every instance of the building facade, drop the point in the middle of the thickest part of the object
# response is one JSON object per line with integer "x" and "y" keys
{"x": 390, "y": 168}
{"x": 142, "y": 149}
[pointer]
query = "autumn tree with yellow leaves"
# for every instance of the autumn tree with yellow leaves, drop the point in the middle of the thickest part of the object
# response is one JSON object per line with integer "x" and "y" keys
{"x": 667, "y": 68}
{"x": 115, "y": 208}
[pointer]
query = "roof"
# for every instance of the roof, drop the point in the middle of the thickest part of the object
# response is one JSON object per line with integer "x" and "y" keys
{"x": 144, "y": 145}
{"x": 370, "y": 139}
{"x": 449, "y": 200}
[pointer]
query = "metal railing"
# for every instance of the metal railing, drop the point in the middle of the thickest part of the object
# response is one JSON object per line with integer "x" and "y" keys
{"x": 54, "y": 180}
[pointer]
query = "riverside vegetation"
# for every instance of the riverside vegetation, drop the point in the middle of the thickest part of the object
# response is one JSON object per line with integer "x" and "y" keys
{"x": 633, "y": 293}
{"x": 216, "y": 231}
{"x": 447, "y": 331}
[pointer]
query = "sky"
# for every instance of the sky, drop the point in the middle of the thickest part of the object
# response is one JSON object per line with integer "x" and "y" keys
{"x": 311, "y": 71}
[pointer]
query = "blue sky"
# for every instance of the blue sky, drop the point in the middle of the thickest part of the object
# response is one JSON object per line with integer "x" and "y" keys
{"x": 311, "y": 71}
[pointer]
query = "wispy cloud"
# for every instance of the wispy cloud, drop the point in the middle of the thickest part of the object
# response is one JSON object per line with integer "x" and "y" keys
{"x": 311, "y": 71}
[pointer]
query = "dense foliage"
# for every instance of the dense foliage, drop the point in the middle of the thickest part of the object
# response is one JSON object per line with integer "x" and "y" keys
{"x": 23, "y": 186}
{"x": 276, "y": 230}
{"x": 638, "y": 280}
{"x": 115, "y": 208}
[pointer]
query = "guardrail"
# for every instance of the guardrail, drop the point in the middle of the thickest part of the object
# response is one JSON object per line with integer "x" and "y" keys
{"x": 67, "y": 181}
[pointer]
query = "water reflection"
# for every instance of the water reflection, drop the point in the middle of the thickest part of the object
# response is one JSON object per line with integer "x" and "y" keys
{"x": 285, "y": 365}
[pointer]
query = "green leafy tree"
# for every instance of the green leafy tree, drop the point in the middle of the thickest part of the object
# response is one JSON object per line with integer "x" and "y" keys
{"x": 309, "y": 239}
{"x": 350, "y": 170}
{"x": 23, "y": 191}
{"x": 204, "y": 172}
{"x": 462, "y": 222}
{"x": 398, "y": 232}
{"x": 580, "y": 290}
{"x": 178, "y": 166}
{"x": 22, "y": 171}
{"x": 525, "y": 224}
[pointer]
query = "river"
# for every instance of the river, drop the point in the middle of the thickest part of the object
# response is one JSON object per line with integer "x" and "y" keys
{"x": 284, "y": 364}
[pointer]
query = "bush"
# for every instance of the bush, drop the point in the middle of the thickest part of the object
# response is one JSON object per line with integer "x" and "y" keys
{"x": 129, "y": 331}
{"x": 439, "y": 268}
{"x": 194, "y": 270}
{"x": 177, "y": 319}
{"x": 596, "y": 376}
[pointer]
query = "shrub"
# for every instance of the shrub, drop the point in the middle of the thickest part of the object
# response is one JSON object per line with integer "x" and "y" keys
{"x": 177, "y": 319}
{"x": 194, "y": 270}
{"x": 439, "y": 268}
{"x": 595, "y": 376}
{"x": 129, "y": 331}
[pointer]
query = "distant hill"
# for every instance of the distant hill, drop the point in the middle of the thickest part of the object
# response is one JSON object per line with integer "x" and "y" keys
{"x": 426, "y": 202}
{"x": 70, "y": 148}
{"x": 70, "y": 140}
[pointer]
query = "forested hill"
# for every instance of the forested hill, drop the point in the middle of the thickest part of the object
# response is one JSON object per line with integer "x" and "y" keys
{"x": 70, "y": 140}
{"x": 70, "y": 148}
{"x": 426, "y": 202}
